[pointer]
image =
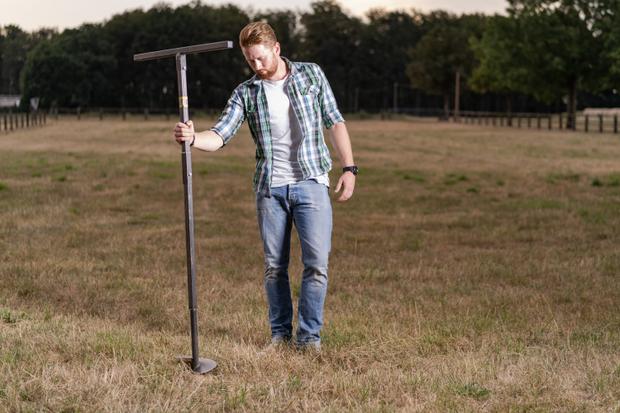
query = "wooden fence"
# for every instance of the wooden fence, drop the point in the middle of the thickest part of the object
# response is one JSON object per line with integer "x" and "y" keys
{"x": 10, "y": 121}
{"x": 583, "y": 122}
{"x": 597, "y": 123}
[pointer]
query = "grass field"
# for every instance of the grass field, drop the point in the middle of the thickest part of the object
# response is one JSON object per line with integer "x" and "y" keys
{"x": 475, "y": 269}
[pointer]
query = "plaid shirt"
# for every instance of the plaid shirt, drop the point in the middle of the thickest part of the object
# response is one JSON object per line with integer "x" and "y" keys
{"x": 314, "y": 105}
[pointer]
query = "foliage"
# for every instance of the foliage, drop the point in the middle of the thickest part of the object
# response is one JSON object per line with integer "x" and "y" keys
{"x": 332, "y": 39}
{"x": 442, "y": 52}
{"x": 545, "y": 48}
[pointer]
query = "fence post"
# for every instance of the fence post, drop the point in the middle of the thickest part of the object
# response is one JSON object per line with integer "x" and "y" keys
{"x": 11, "y": 121}
{"x": 549, "y": 123}
{"x": 600, "y": 123}
{"x": 494, "y": 120}
{"x": 6, "y": 124}
{"x": 560, "y": 125}
{"x": 519, "y": 122}
{"x": 538, "y": 121}
{"x": 27, "y": 119}
{"x": 78, "y": 112}
{"x": 100, "y": 114}
{"x": 587, "y": 126}
{"x": 146, "y": 114}
{"x": 45, "y": 118}
{"x": 615, "y": 123}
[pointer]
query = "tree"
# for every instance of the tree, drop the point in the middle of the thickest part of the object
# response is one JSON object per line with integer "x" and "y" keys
{"x": 558, "y": 50}
{"x": 609, "y": 26}
{"x": 75, "y": 68}
{"x": 385, "y": 43}
{"x": 332, "y": 39}
{"x": 443, "y": 55}
{"x": 499, "y": 54}
{"x": 14, "y": 47}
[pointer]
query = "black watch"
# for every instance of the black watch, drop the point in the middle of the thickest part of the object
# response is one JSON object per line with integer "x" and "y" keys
{"x": 353, "y": 169}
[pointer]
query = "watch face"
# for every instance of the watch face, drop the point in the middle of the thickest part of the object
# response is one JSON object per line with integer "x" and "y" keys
{"x": 352, "y": 169}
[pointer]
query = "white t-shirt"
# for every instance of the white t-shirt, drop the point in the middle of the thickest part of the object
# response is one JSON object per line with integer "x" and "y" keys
{"x": 286, "y": 136}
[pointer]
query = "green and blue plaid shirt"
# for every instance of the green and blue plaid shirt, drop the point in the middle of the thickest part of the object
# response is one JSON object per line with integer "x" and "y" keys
{"x": 314, "y": 105}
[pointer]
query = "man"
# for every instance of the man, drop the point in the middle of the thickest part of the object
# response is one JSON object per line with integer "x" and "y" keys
{"x": 286, "y": 105}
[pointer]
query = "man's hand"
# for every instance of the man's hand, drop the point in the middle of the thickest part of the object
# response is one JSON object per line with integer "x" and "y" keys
{"x": 184, "y": 132}
{"x": 347, "y": 184}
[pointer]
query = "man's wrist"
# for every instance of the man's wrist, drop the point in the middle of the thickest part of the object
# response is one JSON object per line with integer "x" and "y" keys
{"x": 352, "y": 168}
{"x": 193, "y": 140}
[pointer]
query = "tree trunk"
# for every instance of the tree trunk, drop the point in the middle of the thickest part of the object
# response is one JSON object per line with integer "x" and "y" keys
{"x": 571, "y": 107}
{"x": 457, "y": 95}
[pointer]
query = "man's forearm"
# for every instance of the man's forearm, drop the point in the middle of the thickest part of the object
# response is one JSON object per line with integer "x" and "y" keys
{"x": 342, "y": 143}
{"x": 208, "y": 141}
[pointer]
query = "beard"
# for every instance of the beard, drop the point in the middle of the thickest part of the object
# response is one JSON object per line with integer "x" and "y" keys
{"x": 266, "y": 73}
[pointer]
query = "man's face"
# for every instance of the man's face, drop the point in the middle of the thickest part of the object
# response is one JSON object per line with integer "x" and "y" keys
{"x": 262, "y": 58}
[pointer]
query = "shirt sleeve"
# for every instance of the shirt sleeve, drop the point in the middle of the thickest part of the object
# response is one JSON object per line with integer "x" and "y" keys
{"x": 232, "y": 117}
{"x": 329, "y": 108}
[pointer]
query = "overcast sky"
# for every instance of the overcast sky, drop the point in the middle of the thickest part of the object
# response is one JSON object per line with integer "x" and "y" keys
{"x": 33, "y": 14}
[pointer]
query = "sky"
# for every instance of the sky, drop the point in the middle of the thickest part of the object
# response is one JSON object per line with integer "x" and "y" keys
{"x": 61, "y": 14}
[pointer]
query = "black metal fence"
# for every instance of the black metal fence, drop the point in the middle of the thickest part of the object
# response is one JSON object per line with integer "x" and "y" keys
{"x": 12, "y": 121}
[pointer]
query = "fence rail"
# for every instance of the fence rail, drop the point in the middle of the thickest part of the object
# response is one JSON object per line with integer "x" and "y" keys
{"x": 560, "y": 121}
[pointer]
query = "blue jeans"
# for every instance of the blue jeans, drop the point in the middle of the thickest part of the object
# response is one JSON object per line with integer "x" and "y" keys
{"x": 307, "y": 205}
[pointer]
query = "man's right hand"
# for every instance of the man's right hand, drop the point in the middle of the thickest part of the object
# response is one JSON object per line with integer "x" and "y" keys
{"x": 184, "y": 132}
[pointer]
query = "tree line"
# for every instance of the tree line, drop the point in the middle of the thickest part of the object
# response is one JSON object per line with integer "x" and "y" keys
{"x": 545, "y": 52}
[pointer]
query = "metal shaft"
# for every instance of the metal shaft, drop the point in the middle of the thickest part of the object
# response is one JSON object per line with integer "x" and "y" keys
{"x": 186, "y": 160}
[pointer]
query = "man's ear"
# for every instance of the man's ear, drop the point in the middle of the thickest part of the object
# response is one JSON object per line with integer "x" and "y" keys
{"x": 276, "y": 48}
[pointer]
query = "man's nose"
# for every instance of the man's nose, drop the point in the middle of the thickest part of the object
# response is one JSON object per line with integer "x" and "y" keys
{"x": 258, "y": 65}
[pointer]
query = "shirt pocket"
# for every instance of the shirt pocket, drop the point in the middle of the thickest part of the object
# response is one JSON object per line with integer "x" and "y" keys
{"x": 310, "y": 101}
{"x": 311, "y": 90}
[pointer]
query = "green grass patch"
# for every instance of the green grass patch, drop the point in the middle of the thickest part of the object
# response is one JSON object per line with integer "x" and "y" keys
{"x": 472, "y": 390}
{"x": 10, "y": 317}
{"x": 455, "y": 178}
{"x": 555, "y": 177}
{"x": 116, "y": 344}
{"x": 593, "y": 216}
{"x": 414, "y": 176}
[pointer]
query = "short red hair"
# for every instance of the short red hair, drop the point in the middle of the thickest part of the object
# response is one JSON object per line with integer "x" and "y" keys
{"x": 257, "y": 33}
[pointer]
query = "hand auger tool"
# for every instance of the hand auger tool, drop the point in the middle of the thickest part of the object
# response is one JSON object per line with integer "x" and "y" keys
{"x": 197, "y": 364}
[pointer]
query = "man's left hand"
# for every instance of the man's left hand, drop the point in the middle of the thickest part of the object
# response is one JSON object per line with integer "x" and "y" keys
{"x": 347, "y": 184}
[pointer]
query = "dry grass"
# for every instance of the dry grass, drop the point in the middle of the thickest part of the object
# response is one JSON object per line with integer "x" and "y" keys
{"x": 476, "y": 269}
